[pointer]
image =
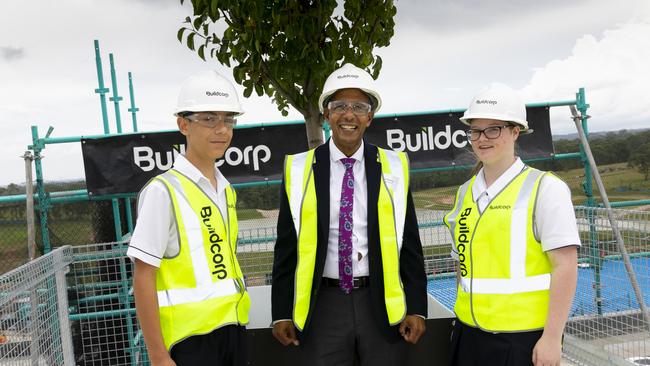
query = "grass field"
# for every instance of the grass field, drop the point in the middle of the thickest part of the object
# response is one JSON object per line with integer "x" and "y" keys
{"x": 13, "y": 239}
{"x": 248, "y": 214}
{"x": 621, "y": 182}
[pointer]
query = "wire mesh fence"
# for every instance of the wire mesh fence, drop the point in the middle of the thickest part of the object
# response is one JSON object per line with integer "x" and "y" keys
{"x": 67, "y": 224}
{"x": 606, "y": 326}
{"x": 606, "y": 314}
{"x": 605, "y": 320}
{"x": 102, "y": 311}
{"x": 13, "y": 238}
{"x": 34, "y": 327}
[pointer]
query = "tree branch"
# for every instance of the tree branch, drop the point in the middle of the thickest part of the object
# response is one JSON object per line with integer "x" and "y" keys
{"x": 279, "y": 88}
{"x": 374, "y": 28}
{"x": 226, "y": 18}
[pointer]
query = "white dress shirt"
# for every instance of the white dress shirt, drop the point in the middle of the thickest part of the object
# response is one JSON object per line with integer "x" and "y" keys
{"x": 155, "y": 235}
{"x": 554, "y": 217}
{"x": 359, "y": 214}
{"x": 555, "y": 220}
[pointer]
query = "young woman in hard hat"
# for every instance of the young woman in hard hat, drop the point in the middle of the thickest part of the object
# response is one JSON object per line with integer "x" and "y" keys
{"x": 515, "y": 240}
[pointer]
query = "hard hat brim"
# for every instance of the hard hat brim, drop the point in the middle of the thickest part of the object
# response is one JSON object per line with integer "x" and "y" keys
{"x": 468, "y": 117}
{"x": 209, "y": 108}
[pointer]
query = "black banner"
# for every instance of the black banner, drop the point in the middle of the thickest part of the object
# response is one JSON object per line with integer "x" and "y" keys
{"x": 438, "y": 140}
{"x": 123, "y": 164}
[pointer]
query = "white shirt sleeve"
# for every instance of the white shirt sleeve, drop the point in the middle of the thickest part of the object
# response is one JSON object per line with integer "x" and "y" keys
{"x": 152, "y": 233}
{"x": 555, "y": 218}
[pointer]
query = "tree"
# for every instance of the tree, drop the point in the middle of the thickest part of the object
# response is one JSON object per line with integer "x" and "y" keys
{"x": 286, "y": 49}
{"x": 640, "y": 159}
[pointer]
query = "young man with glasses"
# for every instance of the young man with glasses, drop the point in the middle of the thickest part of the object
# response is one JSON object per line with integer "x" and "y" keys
{"x": 190, "y": 296}
{"x": 515, "y": 240}
{"x": 348, "y": 271}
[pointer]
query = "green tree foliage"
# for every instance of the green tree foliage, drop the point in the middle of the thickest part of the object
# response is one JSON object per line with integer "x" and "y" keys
{"x": 62, "y": 212}
{"x": 12, "y": 189}
{"x": 609, "y": 148}
{"x": 640, "y": 159}
{"x": 286, "y": 49}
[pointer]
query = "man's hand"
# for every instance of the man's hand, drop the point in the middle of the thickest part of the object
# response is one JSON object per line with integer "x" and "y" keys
{"x": 412, "y": 328}
{"x": 547, "y": 352}
{"x": 285, "y": 332}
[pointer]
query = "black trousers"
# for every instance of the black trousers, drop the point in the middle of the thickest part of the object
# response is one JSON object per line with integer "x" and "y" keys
{"x": 225, "y": 346}
{"x": 343, "y": 331}
{"x": 474, "y": 347}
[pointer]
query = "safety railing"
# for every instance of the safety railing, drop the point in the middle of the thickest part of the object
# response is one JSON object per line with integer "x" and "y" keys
{"x": 34, "y": 327}
{"x": 606, "y": 315}
{"x": 605, "y": 324}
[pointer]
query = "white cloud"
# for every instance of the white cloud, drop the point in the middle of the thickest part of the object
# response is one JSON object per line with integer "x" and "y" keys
{"x": 442, "y": 53}
{"x": 613, "y": 71}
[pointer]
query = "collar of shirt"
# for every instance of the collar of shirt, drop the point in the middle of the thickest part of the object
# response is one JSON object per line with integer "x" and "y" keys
{"x": 336, "y": 155}
{"x": 479, "y": 189}
{"x": 189, "y": 170}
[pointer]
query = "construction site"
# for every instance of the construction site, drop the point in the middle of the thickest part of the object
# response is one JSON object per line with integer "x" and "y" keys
{"x": 66, "y": 292}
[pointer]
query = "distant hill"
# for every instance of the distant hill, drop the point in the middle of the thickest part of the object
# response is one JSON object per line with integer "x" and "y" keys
{"x": 600, "y": 134}
{"x": 53, "y": 186}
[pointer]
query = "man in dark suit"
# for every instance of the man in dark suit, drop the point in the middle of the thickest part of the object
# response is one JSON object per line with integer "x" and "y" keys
{"x": 348, "y": 272}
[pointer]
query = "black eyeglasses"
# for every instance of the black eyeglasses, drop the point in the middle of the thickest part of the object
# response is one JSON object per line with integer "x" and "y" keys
{"x": 492, "y": 132}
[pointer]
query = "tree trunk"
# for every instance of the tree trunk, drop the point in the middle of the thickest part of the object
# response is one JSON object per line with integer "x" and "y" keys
{"x": 314, "y": 122}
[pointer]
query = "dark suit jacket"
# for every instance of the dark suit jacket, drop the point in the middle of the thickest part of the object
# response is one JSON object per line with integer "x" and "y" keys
{"x": 411, "y": 260}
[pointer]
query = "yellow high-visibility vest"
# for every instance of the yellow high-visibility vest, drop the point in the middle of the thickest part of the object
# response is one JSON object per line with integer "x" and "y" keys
{"x": 201, "y": 288}
{"x": 505, "y": 275}
{"x": 391, "y": 209}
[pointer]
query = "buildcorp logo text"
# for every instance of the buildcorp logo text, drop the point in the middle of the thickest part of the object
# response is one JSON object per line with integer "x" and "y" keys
{"x": 147, "y": 159}
{"x": 219, "y": 269}
{"x": 426, "y": 139}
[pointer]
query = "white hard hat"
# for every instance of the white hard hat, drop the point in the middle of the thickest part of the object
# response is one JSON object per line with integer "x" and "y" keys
{"x": 208, "y": 91}
{"x": 349, "y": 77}
{"x": 498, "y": 102}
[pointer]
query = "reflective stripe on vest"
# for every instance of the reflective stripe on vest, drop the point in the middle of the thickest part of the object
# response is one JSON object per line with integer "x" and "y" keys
{"x": 180, "y": 296}
{"x": 301, "y": 193}
{"x": 391, "y": 214}
{"x": 505, "y": 275}
{"x": 391, "y": 205}
{"x": 202, "y": 287}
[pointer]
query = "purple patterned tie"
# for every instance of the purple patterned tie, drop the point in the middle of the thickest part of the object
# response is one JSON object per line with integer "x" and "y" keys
{"x": 345, "y": 227}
